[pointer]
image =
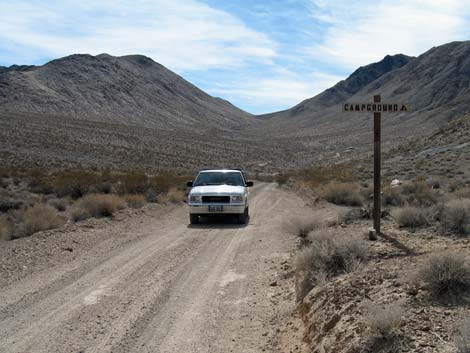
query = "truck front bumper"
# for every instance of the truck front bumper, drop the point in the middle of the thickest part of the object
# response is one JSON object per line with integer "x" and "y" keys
{"x": 203, "y": 209}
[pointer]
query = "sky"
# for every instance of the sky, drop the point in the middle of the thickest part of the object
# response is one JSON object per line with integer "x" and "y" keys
{"x": 262, "y": 56}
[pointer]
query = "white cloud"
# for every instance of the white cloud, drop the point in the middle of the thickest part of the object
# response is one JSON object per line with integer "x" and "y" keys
{"x": 181, "y": 34}
{"x": 363, "y": 32}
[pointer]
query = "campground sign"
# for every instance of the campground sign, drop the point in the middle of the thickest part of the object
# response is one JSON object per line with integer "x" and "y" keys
{"x": 376, "y": 107}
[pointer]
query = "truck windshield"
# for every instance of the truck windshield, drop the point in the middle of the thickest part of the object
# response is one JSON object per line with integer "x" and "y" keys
{"x": 219, "y": 178}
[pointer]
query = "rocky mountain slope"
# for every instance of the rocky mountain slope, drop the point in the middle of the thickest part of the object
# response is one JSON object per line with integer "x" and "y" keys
{"x": 436, "y": 84}
{"x": 126, "y": 90}
{"x": 343, "y": 89}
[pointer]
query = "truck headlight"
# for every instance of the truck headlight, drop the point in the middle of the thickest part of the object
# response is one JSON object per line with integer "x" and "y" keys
{"x": 237, "y": 198}
{"x": 196, "y": 199}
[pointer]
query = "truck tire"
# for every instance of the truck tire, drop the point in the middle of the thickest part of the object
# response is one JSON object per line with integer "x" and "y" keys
{"x": 243, "y": 218}
{"x": 194, "y": 219}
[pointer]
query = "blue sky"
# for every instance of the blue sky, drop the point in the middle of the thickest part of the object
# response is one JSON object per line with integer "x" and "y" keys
{"x": 262, "y": 56}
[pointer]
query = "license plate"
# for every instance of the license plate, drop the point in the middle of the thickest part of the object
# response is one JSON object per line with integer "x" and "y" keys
{"x": 216, "y": 208}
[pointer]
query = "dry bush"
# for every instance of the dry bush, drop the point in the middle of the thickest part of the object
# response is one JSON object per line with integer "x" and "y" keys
{"x": 462, "y": 336}
{"x": 97, "y": 205}
{"x": 411, "y": 217}
{"x": 342, "y": 194}
{"x": 351, "y": 215}
{"x": 75, "y": 184}
{"x": 59, "y": 204}
{"x": 38, "y": 218}
{"x": 6, "y": 230}
{"x": 419, "y": 193}
{"x": 133, "y": 183}
{"x": 301, "y": 226}
{"x": 462, "y": 193}
{"x": 281, "y": 179}
{"x": 455, "y": 216}
{"x": 135, "y": 201}
{"x": 151, "y": 195}
{"x": 173, "y": 195}
{"x": 383, "y": 320}
{"x": 325, "y": 257}
{"x": 317, "y": 176}
{"x": 392, "y": 197}
{"x": 447, "y": 275}
{"x": 7, "y": 204}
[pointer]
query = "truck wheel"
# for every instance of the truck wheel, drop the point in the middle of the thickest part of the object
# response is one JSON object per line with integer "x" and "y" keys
{"x": 194, "y": 219}
{"x": 243, "y": 218}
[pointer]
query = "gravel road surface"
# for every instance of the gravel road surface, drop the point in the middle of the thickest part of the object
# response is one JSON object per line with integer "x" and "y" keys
{"x": 152, "y": 283}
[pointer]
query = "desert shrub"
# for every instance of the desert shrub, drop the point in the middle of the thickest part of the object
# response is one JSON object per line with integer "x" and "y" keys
{"x": 462, "y": 336}
{"x": 97, "y": 205}
{"x": 151, "y": 195}
{"x": 318, "y": 176}
{"x": 447, "y": 275}
{"x": 327, "y": 256}
{"x": 133, "y": 183}
{"x": 301, "y": 226}
{"x": 411, "y": 217}
{"x": 392, "y": 197}
{"x": 75, "y": 184}
{"x": 419, "y": 193}
{"x": 463, "y": 193}
{"x": 135, "y": 201}
{"x": 342, "y": 194}
{"x": 38, "y": 218}
{"x": 383, "y": 320}
{"x": 173, "y": 195}
{"x": 455, "y": 216}
{"x": 351, "y": 215}
{"x": 165, "y": 181}
{"x": 59, "y": 204}
{"x": 6, "y": 230}
{"x": 7, "y": 204}
{"x": 281, "y": 179}
{"x": 78, "y": 214}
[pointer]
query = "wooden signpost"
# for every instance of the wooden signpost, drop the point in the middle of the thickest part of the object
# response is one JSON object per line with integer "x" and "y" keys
{"x": 377, "y": 107}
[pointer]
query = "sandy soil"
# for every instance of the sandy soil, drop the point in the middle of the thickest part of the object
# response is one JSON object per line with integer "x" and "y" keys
{"x": 149, "y": 282}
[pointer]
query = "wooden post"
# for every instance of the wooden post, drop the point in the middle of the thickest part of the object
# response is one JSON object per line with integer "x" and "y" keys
{"x": 377, "y": 167}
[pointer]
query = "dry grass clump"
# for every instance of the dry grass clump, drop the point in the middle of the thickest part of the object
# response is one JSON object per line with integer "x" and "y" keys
{"x": 447, "y": 276}
{"x": 75, "y": 184}
{"x": 173, "y": 195}
{"x": 302, "y": 226}
{"x": 419, "y": 193}
{"x": 411, "y": 217}
{"x": 97, "y": 205}
{"x": 133, "y": 183}
{"x": 342, "y": 194}
{"x": 281, "y": 179}
{"x": 6, "y": 230}
{"x": 325, "y": 257}
{"x": 462, "y": 193}
{"x": 59, "y": 204}
{"x": 383, "y": 320}
{"x": 455, "y": 216}
{"x": 135, "y": 201}
{"x": 392, "y": 197}
{"x": 462, "y": 336}
{"x": 38, "y": 218}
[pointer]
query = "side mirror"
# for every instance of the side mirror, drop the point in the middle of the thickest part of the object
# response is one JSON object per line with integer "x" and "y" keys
{"x": 189, "y": 184}
{"x": 249, "y": 184}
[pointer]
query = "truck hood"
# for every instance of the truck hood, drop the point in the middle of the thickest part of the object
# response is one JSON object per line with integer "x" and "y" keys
{"x": 217, "y": 190}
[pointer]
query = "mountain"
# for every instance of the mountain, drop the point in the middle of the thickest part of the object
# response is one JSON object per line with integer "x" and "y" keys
{"x": 346, "y": 88}
{"x": 436, "y": 85}
{"x": 132, "y": 90}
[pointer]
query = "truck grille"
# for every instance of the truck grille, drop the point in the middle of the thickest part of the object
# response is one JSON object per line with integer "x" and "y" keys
{"x": 216, "y": 199}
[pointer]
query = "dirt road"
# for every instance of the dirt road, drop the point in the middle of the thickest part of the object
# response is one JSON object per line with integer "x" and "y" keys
{"x": 152, "y": 283}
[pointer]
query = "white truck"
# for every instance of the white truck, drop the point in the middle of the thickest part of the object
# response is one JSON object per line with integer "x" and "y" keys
{"x": 219, "y": 192}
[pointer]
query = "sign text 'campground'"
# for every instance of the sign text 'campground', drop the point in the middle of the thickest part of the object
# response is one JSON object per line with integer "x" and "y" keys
{"x": 376, "y": 107}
